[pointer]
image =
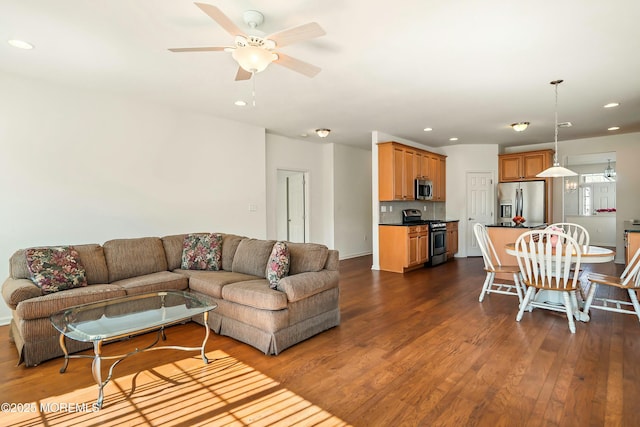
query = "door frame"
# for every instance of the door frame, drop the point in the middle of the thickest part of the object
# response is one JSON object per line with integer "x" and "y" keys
{"x": 281, "y": 202}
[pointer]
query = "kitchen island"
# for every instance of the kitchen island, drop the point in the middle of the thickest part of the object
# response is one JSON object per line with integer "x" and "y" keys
{"x": 507, "y": 232}
{"x": 631, "y": 239}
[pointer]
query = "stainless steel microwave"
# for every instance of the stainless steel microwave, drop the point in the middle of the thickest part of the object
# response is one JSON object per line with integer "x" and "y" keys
{"x": 423, "y": 189}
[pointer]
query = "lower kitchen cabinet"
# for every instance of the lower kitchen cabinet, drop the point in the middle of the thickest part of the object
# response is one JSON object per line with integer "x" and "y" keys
{"x": 403, "y": 248}
{"x": 632, "y": 244}
{"x": 452, "y": 238}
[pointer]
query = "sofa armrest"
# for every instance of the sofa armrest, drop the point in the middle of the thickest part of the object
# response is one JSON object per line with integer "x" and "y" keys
{"x": 15, "y": 291}
{"x": 304, "y": 285}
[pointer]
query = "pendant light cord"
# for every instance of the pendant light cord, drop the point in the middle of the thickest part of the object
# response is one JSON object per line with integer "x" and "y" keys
{"x": 555, "y": 154}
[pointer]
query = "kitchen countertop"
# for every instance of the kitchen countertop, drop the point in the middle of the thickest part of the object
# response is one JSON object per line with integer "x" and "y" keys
{"x": 423, "y": 222}
{"x": 513, "y": 225}
{"x": 630, "y": 227}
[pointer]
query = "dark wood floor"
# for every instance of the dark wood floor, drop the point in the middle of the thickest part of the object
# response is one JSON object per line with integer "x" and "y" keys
{"x": 412, "y": 350}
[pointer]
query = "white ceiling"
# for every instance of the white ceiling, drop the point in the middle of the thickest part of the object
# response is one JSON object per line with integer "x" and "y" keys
{"x": 465, "y": 68}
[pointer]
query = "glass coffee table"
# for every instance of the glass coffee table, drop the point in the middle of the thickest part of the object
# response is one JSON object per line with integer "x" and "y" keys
{"x": 118, "y": 318}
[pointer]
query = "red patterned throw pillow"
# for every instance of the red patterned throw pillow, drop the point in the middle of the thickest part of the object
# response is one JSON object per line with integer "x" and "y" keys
{"x": 202, "y": 252}
{"x": 278, "y": 265}
{"x": 55, "y": 269}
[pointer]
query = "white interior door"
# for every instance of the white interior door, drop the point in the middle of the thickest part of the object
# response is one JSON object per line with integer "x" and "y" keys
{"x": 291, "y": 206}
{"x": 296, "y": 208}
{"x": 480, "y": 206}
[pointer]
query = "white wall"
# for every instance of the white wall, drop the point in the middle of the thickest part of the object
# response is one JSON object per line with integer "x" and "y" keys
{"x": 303, "y": 156}
{"x": 627, "y": 149}
{"x": 339, "y": 181}
{"x": 84, "y": 167}
{"x": 352, "y": 201}
{"x": 462, "y": 159}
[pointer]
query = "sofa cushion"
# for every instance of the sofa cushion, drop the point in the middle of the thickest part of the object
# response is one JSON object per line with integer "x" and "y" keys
{"x": 46, "y": 305}
{"x": 154, "y": 282}
{"x": 307, "y": 257}
{"x": 202, "y": 252}
{"x": 211, "y": 282}
{"x": 55, "y": 269}
{"x": 255, "y": 293}
{"x": 230, "y": 244}
{"x": 251, "y": 257}
{"x": 173, "y": 250}
{"x": 278, "y": 264}
{"x": 134, "y": 257}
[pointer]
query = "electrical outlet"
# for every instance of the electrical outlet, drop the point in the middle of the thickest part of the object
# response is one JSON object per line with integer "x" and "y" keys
{"x": 383, "y": 208}
{"x": 390, "y": 208}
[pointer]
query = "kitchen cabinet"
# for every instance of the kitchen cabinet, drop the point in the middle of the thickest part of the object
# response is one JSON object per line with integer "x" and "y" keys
{"x": 396, "y": 172}
{"x": 403, "y": 248}
{"x": 452, "y": 238}
{"x": 523, "y": 166}
{"x": 631, "y": 243}
{"x": 399, "y": 165}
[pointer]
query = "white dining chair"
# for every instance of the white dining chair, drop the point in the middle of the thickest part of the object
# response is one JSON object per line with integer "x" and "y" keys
{"x": 629, "y": 280}
{"x": 581, "y": 235}
{"x": 545, "y": 258}
{"x": 493, "y": 266}
{"x": 578, "y": 232}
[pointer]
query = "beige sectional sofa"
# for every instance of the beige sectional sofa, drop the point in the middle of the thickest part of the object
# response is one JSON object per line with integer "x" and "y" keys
{"x": 305, "y": 303}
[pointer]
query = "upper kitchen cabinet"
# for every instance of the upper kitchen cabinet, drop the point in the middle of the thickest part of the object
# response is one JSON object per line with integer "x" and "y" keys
{"x": 396, "y": 172}
{"x": 399, "y": 165}
{"x": 523, "y": 166}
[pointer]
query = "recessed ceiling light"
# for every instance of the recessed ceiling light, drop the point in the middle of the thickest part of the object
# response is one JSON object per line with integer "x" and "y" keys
{"x": 20, "y": 44}
{"x": 453, "y": 139}
{"x": 611, "y": 105}
{"x": 614, "y": 128}
{"x": 240, "y": 103}
{"x": 304, "y": 135}
{"x": 427, "y": 129}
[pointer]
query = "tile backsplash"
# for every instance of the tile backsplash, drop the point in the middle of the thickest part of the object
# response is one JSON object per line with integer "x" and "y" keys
{"x": 393, "y": 214}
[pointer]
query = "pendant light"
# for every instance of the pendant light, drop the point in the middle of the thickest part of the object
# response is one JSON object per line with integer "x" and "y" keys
{"x": 556, "y": 171}
{"x": 609, "y": 172}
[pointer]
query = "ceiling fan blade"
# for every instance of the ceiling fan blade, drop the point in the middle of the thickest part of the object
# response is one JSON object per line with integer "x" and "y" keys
{"x": 222, "y": 19}
{"x": 297, "y": 65}
{"x": 297, "y": 34}
{"x": 197, "y": 49}
{"x": 243, "y": 74}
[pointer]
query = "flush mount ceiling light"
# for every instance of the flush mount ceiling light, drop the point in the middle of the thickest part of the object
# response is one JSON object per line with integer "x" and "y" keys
{"x": 609, "y": 172}
{"x": 556, "y": 171}
{"x": 520, "y": 126}
{"x": 20, "y": 44}
{"x": 323, "y": 133}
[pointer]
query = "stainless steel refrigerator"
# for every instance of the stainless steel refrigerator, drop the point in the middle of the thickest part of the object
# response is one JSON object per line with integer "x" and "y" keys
{"x": 526, "y": 199}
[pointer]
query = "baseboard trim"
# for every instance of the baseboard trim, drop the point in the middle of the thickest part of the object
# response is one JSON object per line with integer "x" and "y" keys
{"x": 5, "y": 320}
{"x": 355, "y": 255}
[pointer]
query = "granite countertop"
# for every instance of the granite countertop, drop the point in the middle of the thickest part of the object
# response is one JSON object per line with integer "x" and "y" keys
{"x": 511, "y": 224}
{"x": 423, "y": 222}
{"x": 631, "y": 227}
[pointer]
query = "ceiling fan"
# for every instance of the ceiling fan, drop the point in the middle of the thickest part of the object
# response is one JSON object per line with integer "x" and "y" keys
{"x": 252, "y": 53}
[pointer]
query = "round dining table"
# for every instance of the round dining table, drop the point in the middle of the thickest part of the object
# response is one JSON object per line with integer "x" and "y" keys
{"x": 590, "y": 255}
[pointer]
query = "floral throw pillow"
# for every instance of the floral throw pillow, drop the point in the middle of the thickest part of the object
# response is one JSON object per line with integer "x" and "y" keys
{"x": 202, "y": 252}
{"x": 56, "y": 269}
{"x": 278, "y": 265}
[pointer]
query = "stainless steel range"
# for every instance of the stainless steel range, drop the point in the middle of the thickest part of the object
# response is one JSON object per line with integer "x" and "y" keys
{"x": 437, "y": 235}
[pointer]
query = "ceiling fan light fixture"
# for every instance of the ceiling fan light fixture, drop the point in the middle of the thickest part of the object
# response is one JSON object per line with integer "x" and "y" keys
{"x": 556, "y": 171}
{"x": 520, "y": 126}
{"x": 252, "y": 58}
{"x": 323, "y": 133}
